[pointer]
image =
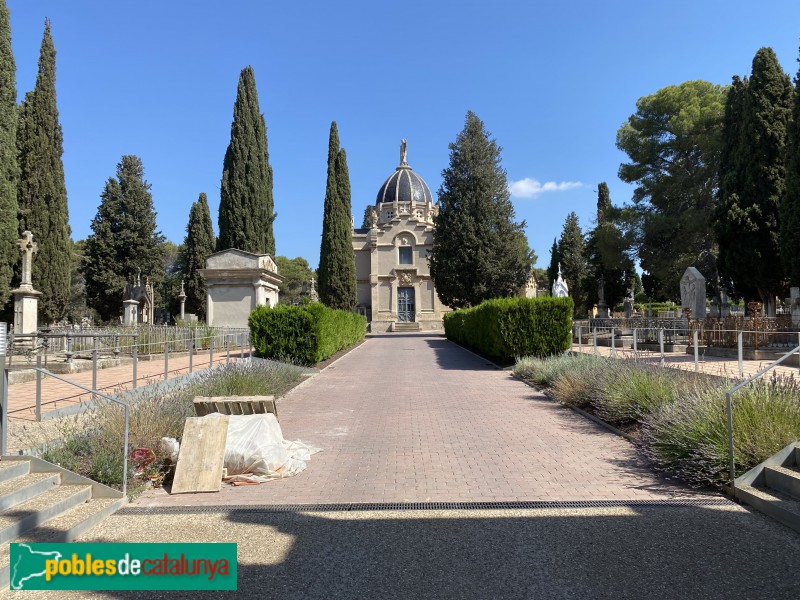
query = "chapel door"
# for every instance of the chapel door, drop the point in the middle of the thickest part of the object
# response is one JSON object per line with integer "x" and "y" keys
{"x": 405, "y": 304}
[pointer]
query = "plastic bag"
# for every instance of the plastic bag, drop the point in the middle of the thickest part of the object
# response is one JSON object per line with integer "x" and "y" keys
{"x": 255, "y": 450}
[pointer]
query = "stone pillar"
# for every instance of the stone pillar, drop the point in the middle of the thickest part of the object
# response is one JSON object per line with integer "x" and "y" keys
{"x": 130, "y": 313}
{"x": 26, "y": 299}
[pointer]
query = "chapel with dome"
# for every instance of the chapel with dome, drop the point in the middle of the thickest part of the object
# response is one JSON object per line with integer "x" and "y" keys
{"x": 395, "y": 290}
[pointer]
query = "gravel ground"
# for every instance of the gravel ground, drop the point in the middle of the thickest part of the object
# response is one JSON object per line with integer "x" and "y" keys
{"x": 624, "y": 552}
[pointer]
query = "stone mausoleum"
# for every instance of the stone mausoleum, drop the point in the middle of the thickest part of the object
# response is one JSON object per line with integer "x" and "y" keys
{"x": 238, "y": 282}
{"x": 395, "y": 290}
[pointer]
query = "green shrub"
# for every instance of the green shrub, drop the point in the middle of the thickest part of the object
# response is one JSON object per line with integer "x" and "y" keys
{"x": 506, "y": 328}
{"x": 628, "y": 391}
{"x": 690, "y": 437}
{"x": 544, "y": 371}
{"x": 304, "y": 334}
{"x": 575, "y": 385}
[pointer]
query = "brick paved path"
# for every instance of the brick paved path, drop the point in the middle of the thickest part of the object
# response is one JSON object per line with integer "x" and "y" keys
{"x": 414, "y": 418}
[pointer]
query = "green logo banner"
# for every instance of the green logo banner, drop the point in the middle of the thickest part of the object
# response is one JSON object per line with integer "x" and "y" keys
{"x": 80, "y": 566}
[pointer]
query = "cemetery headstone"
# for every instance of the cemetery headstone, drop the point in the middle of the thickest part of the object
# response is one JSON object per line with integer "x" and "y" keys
{"x": 794, "y": 305}
{"x": 693, "y": 292}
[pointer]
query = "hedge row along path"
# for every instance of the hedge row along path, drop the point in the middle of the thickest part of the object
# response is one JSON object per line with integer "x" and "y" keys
{"x": 416, "y": 418}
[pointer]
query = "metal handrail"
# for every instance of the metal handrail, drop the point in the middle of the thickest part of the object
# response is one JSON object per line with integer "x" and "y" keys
{"x": 125, "y": 406}
{"x": 729, "y": 408}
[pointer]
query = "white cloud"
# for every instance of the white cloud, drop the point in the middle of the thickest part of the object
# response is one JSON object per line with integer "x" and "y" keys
{"x": 530, "y": 188}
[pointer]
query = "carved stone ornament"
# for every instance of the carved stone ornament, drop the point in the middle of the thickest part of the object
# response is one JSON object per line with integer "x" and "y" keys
{"x": 405, "y": 277}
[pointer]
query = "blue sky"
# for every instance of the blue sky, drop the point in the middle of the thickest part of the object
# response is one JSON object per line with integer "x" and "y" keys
{"x": 553, "y": 81}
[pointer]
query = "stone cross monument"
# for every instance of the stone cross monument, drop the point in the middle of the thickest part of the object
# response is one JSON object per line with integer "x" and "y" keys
{"x": 182, "y": 300}
{"x": 602, "y": 307}
{"x": 26, "y": 299}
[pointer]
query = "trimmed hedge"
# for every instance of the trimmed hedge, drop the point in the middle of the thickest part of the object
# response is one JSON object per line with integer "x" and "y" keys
{"x": 506, "y": 328}
{"x": 304, "y": 334}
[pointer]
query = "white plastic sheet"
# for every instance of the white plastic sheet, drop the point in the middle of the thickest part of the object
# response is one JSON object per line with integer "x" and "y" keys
{"x": 255, "y": 450}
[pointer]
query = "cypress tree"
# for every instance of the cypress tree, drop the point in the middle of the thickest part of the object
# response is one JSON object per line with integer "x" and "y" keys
{"x": 42, "y": 192}
{"x": 573, "y": 260}
{"x": 337, "y": 266}
{"x": 246, "y": 208}
{"x": 124, "y": 240}
{"x": 479, "y": 252}
{"x": 555, "y": 260}
{"x": 198, "y": 246}
{"x": 606, "y": 255}
{"x": 750, "y": 196}
{"x": 790, "y": 208}
{"x": 9, "y": 170}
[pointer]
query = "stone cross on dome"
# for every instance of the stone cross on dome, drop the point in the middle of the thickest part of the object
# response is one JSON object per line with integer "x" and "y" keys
{"x": 28, "y": 248}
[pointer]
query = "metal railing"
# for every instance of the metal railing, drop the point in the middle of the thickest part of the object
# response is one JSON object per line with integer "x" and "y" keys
{"x": 613, "y": 336}
{"x": 222, "y": 341}
{"x": 125, "y": 406}
{"x": 729, "y": 408}
{"x": 39, "y": 372}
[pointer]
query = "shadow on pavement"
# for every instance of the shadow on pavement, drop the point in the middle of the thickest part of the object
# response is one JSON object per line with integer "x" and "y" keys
{"x": 625, "y": 552}
{"x": 451, "y": 356}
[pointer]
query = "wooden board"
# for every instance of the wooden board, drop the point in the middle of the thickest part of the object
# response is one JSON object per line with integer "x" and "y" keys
{"x": 235, "y": 405}
{"x": 202, "y": 453}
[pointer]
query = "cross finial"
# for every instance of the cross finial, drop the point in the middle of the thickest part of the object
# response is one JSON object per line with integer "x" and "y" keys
{"x": 28, "y": 248}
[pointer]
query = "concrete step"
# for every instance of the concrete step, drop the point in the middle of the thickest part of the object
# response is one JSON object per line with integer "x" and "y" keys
{"x": 25, "y": 487}
{"x": 23, "y": 517}
{"x": 414, "y": 326}
{"x": 781, "y": 507}
{"x": 13, "y": 468}
{"x": 783, "y": 479}
{"x": 66, "y": 527}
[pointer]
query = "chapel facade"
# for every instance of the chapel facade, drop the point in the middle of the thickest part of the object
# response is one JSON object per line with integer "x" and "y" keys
{"x": 395, "y": 290}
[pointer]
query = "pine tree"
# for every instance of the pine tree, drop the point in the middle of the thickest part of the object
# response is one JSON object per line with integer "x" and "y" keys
{"x": 42, "y": 192}
{"x": 748, "y": 218}
{"x": 246, "y": 208}
{"x": 198, "y": 246}
{"x": 479, "y": 251}
{"x": 337, "y": 267}
{"x": 124, "y": 239}
{"x": 790, "y": 208}
{"x": 555, "y": 260}
{"x": 573, "y": 260}
{"x": 9, "y": 170}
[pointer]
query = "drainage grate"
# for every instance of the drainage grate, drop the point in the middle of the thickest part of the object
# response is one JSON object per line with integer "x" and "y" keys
{"x": 394, "y": 506}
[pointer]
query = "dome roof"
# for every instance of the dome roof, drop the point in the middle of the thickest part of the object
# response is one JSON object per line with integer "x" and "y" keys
{"x": 404, "y": 185}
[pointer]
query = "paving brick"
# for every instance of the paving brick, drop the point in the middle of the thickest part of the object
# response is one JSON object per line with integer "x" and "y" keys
{"x": 437, "y": 423}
